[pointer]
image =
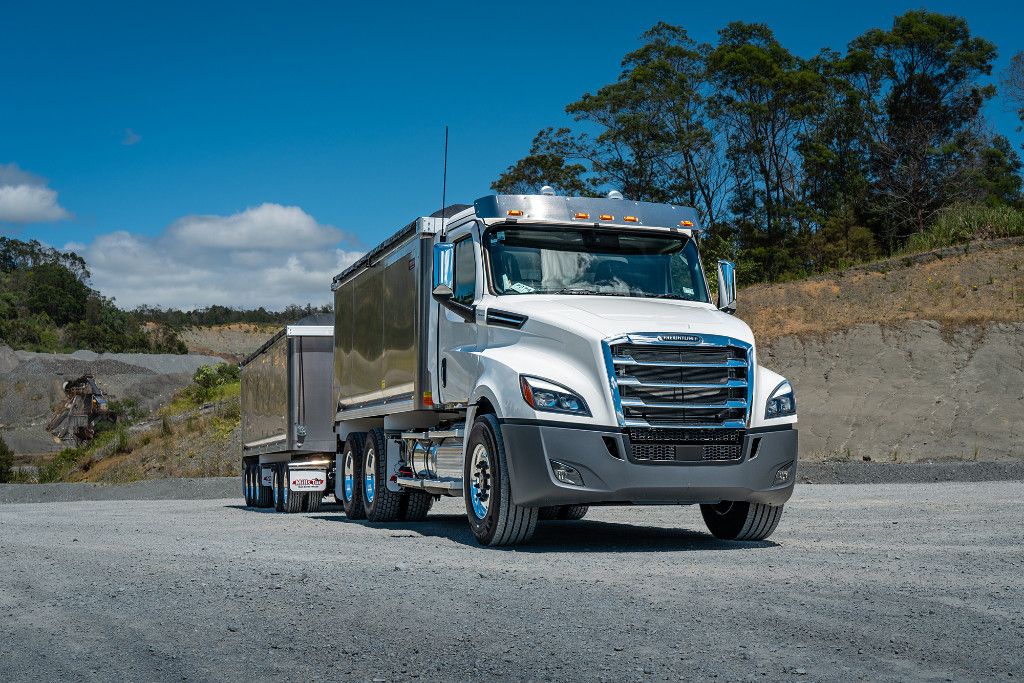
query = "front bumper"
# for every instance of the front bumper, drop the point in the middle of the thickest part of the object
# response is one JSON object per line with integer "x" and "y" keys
{"x": 609, "y": 478}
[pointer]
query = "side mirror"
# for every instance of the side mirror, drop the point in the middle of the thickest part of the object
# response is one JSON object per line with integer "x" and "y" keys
{"x": 444, "y": 270}
{"x": 727, "y": 286}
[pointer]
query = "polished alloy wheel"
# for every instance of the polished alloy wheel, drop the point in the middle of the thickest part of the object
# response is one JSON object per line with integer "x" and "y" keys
{"x": 480, "y": 484}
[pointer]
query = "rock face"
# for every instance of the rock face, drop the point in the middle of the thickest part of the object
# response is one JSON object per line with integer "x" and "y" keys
{"x": 907, "y": 391}
{"x": 30, "y": 385}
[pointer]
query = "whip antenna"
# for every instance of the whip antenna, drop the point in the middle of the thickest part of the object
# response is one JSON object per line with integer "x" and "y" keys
{"x": 444, "y": 184}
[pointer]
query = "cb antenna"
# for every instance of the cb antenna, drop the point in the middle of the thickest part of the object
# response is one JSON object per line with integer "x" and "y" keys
{"x": 444, "y": 185}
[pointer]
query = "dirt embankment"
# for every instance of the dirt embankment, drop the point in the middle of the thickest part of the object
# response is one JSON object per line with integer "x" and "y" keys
{"x": 231, "y": 342}
{"x": 914, "y": 358}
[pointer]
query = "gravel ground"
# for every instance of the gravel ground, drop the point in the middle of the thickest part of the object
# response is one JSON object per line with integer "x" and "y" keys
{"x": 880, "y": 582}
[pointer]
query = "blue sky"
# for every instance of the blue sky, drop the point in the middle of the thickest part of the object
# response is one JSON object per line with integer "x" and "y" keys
{"x": 149, "y": 119}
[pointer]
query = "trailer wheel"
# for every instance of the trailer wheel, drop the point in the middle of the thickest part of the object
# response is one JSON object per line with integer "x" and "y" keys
{"x": 291, "y": 501}
{"x": 740, "y": 520}
{"x": 279, "y": 486}
{"x": 314, "y": 499}
{"x": 350, "y": 471}
{"x": 265, "y": 494}
{"x": 493, "y": 517}
{"x": 381, "y": 504}
{"x": 417, "y": 505}
{"x": 247, "y": 488}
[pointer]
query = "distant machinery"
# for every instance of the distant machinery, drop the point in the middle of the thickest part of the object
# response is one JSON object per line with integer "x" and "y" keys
{"x": 74, "y": 422}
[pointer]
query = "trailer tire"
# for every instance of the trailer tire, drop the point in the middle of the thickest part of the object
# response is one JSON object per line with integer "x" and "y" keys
{"x": 265, "y": 497}
{"x": 350, "y": 469}
{"x": 314, "y": 499}
{"x": 416, "y": 506}
{"x": 291, "y": 502}
{"x": 247, "y": 487}
{"x": 740, "y": 520}
{"x": 381, "y": 504}
{"x": 494, "y": 519}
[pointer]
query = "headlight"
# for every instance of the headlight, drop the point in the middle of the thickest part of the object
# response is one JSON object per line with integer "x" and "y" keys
{"x": 550, "y": 397}
{"x": 781, "y": 403}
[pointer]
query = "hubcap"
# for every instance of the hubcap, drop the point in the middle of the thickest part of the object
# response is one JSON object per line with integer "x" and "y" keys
{"x": 480, "y": 481}
{"x": 370, "y": 478}
{"x": 349, "y": 481}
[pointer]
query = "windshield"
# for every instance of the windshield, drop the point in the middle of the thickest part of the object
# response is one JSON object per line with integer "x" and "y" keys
{"x": 588, "y": 261}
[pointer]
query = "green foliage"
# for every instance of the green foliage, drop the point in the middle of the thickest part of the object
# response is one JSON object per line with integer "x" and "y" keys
{"x": 127, "y": 410}
{"x": 6, "y": 461}
{"x": 209, "y": 381}
{"x": 223, "y": 315}
{"x": 47, "y": 305}
{"x": 62, "y": 463}
{"x": 961, "y": 223}
{"x": 795, "y": 165}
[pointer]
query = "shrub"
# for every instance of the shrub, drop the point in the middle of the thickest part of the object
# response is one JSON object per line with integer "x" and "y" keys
{"x": 962, "y": 223}
{"x": 6, "y": 461}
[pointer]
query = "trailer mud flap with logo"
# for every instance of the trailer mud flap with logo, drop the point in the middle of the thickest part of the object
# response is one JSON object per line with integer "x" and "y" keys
{"x": 307, "y": 480}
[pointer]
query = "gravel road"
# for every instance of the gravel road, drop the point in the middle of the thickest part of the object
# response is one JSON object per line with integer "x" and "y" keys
{"x": 880, "y": 582}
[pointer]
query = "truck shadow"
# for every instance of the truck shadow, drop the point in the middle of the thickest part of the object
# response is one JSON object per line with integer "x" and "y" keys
{"x": 556, "y": 536}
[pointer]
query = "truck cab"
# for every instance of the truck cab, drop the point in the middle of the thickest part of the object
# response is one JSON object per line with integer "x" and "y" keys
{"x": 563, "y": 352}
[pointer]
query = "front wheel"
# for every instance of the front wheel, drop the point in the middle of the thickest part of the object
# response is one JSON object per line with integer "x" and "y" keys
{"x": 740, "y": 520}
{"x": 493, "y": 517}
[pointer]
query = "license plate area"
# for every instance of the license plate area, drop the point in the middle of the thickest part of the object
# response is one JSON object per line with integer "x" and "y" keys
{"x": 684, "y": 446}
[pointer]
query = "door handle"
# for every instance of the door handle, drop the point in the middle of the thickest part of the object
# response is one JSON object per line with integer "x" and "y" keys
{"x": 444, "y": 372}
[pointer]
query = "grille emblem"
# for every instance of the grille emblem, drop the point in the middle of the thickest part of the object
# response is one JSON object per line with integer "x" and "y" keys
{"x": 684, "y": 338}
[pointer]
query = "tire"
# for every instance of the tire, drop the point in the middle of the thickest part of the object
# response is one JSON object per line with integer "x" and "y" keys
{"x": 265, "y": 494}
{"x": 247, "y": 487}
{"x": 494, "y": 519}
{"x": 352, "y": 480}
{"x": 573, "y": 512}
{"x": 570, "y": 512}
{"x": 314, "y": 500}
{"x": 740, "y": 520}
{"x": 381, "y": 504}
{"x": 291, "y": 502}
{"x": 278, "y": 499}
{"x": 417, "y": 505}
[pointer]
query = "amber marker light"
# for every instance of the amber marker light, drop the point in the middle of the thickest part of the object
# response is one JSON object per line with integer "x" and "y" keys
{"x": 607, "y": 217}
{"x": 580, "y": 216}
{"x": 631, "y": 219}
{"x": 686, "y": 224}
{"x": 515, "y": 212}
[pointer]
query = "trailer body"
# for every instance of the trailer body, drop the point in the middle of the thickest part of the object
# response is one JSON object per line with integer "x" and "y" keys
{"x": 288, "y": 439}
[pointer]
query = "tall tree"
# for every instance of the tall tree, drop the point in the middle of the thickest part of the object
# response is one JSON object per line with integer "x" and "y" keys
{"x": 919, "y": 82}
{"x": 766, "y": 98}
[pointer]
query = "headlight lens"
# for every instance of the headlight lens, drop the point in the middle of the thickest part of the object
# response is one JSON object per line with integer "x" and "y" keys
{"x": 550, "y": 397}
{"x": 782, "y": 402}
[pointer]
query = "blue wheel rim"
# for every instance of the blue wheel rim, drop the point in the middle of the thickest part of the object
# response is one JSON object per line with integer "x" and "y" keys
{"x": 370, "y": 478}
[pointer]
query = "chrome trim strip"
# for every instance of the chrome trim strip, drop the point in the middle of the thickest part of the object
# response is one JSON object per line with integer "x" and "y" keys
{"x": 629, "y": 360}
{"x": 728, "y": 424}
{"x": 634, "y": 382}
{"x": 724, "y": 405}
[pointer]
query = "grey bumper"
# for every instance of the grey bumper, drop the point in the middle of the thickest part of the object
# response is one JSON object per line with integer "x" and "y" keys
{"x": 614, "y": 478}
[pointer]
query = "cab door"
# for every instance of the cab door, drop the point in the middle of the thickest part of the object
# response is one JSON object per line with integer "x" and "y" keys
{"x": 458, "y": 333}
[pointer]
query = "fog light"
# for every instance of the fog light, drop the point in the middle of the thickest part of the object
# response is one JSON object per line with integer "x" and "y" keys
{"x": 566, "y": 474}
{"x": 782, "y": 476}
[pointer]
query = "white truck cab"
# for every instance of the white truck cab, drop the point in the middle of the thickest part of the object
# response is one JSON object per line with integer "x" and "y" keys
{"x": 537, "y": 355}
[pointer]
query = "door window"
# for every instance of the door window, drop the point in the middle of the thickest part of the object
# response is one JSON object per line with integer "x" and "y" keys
{"x": 465, "y": 272}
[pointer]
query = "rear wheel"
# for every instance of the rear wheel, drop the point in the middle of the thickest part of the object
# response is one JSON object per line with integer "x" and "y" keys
{"x": 276, "y": 489}
{"x": 493, "y": 517}
{"x": 381, "y": 504}
{"x": 314, "y": 499}
{"x": 247, "y": 487}
{"x": 291, "y": 501}
{"x": 562, "y": 512}
{"x": 350, "y": 473}
{"x": 265, "y": 494}
{"x": 740, "y": 520}
{"x": 417, "y": 505}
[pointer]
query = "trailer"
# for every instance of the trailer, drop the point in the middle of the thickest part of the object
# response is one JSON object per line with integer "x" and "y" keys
{"x": 287, "y": 428}
{"x": 536, "y": 355}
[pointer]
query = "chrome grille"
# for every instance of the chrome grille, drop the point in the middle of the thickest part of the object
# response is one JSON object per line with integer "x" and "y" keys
{"x": 665, "y": 384}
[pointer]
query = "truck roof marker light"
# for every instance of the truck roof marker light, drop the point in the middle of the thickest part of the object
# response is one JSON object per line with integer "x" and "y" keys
{"x": 631, "y": 219}
{"x": 686, "y": 224}
{"x": 428, "y": 398}
{"x": 580, "y": 216}
{"x": 607, "y": 217}
{"x": 515, "y": 212}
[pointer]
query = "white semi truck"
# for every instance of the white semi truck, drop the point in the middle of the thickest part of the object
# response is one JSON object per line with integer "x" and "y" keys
{"x": 536, "y": 355}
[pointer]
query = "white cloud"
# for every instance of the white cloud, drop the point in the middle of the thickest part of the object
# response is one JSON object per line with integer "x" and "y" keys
{"x": 269, "y": 255}
{"x": 25, "y": 198}
{"x": 130, "y": 138}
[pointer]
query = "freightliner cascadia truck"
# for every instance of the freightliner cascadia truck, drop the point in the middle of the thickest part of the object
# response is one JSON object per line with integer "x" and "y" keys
{"x": 534, "y": 355}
